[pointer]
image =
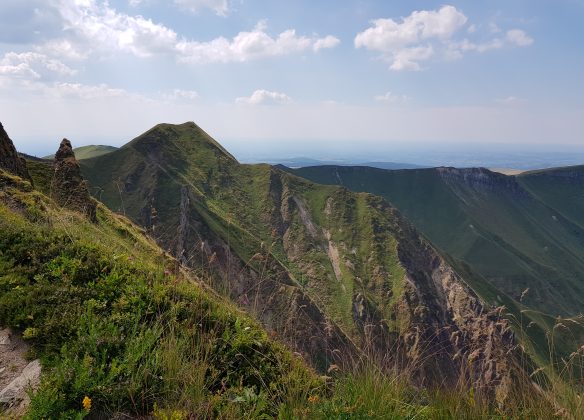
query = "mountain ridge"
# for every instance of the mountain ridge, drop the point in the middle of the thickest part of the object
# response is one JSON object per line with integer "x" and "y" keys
{"x": 364, "y": 267}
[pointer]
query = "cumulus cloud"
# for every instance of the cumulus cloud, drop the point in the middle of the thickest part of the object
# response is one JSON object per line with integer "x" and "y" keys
{"x": 262, "y": 96}
{"x": 220, "y": 7}
{"x": 519, "y": 38}
{"x": 96, "y": 26}
{"x": 405, "y": 44}
{"x": 246, "y": 46}
{"x": 32, "y": 65}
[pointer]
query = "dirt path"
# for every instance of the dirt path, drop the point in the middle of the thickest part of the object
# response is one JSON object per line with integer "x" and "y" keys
{"x": 16, "y": 374}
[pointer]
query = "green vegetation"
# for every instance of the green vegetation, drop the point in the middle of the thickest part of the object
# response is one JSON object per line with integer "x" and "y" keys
{"x": 115, "y": 319}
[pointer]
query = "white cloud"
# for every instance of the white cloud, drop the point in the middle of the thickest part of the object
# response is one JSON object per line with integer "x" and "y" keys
{"x": 95, "y": 26}
{"x": 98, "y": 26}
{"x": 402, "y": 44}
{"x": 390, "y": 97}
{"x": 80, "y": 91}
{"x": 181, "y": 95}
{"x": 246, "y": 46}
{"x": 519, "y": 38}
{"x": 220, "y": 7}
{"x": 326, "y": 42}
{"x": 408, "y": 58}
{"x": 32, "y": 65}
{"x": 262, "y": 96}
{"x": 514, "y": 38}
{"x": 427, "y": 33}
{"x": 62, "y": 48}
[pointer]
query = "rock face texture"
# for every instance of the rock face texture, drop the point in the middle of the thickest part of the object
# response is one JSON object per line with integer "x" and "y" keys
{"x": 68, "y": 188}
{"x": 17, "y": 374}
{"x": 9, "y": 159}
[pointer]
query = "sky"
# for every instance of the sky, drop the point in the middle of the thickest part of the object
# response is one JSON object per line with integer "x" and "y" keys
{"x": 294, "y": 76}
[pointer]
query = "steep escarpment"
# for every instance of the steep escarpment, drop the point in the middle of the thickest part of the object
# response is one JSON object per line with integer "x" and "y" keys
{"x": 9, "y": 159}
{"x": 481, "y": 179}
{"x": 336, "y": 275}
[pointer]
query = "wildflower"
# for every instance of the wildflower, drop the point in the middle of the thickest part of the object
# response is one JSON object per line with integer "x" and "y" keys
{"x": 86, "y": 403}
{"x": 313, "y": 399}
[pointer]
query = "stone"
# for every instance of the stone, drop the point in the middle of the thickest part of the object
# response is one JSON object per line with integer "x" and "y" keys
{"x": 68, "y": 188}
{"x": 16, "y": 391}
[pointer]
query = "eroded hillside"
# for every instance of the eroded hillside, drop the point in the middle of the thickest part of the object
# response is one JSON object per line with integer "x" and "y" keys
{"x": 337, "y": 275}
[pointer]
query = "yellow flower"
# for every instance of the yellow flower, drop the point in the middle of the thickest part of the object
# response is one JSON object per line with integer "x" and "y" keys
{"x": 313, "y": 399}
{"x": 86, "y": 403}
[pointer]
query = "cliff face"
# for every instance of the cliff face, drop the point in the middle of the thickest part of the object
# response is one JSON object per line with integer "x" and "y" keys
{"x": 481, "y": 179}
{"x": 9, "y": 159}
{"x": 68, "y": 188}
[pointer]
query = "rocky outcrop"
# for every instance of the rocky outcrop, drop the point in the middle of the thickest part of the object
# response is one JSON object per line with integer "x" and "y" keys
{"x": 17, "y": 375}
{"x": 9, "y": 159}
{"x": 68, "y": 188}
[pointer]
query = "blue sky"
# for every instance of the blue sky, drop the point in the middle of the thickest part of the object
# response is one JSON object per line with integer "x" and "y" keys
{"x": 294, "y": 75}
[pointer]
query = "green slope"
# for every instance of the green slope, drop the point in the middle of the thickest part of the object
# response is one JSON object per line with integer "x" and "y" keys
{"x": 88, "y": 152}
{"x": 561, "y": 189}
{"x": 115, "y": 318}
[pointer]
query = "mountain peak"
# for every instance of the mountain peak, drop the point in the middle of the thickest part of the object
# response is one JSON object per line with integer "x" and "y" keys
{"x": 186, "y": 139}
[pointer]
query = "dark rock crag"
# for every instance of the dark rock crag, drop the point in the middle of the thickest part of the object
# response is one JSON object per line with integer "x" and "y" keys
{"x": 68, "y": 188}
{"x": 9, "y": 159}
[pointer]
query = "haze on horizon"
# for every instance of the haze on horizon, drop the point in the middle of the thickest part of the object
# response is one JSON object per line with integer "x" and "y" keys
{"x": 361, "y": 76}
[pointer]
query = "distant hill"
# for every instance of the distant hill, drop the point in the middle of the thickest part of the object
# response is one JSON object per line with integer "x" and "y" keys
{"x": 88, "y": 152}
{"x": 302, "y": 162}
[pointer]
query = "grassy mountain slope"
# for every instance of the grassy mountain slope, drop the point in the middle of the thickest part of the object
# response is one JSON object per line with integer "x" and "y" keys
{"x": 88, "y": 152}
{"x": 561, "y": 189}
{"x": 355, "y": 278}
{"x": 513, "y": 248}
{"x": 509, "y": 236}
{"x": 115, "y": 318}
